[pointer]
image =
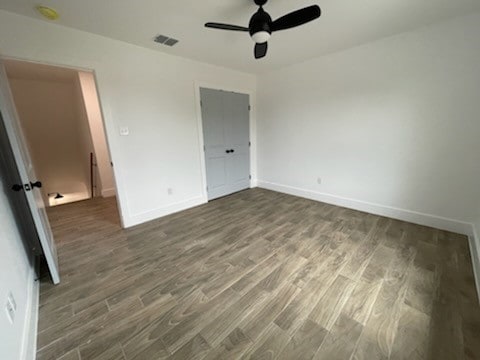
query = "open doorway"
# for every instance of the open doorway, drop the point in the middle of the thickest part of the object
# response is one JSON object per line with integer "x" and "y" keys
{"x": 60, "y": 125}
{"x": 59, "y": 113}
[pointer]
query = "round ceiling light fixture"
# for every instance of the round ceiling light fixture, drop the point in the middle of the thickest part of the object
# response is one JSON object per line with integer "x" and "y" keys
{"x": 47, "y": 12}
{"x": 261, "y": 37}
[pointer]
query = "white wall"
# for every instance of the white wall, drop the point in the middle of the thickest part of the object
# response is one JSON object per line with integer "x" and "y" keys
{"x": 84, "y": 136}
{"x": 475, "y": 248}
{"x": 97, "y": 131}
{"x": 388, "y": 126}
{"x": 477, "y": 228}
{"x": 476, "y": 231}
{"x": 150, "y": 92}
{"x": 57, "y": 136}
{"x": 16, "y": 276}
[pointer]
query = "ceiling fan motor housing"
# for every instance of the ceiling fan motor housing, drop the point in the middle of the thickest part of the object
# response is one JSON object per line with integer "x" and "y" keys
{"x": 260, "y": 26}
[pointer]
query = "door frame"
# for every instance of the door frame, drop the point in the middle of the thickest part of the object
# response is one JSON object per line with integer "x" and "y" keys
{"x": 252, "y": 124}
{"x": 119, "y": 194}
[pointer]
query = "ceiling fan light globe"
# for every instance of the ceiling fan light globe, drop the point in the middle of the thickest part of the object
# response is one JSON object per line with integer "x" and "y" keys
{"x": 261, "y": 37}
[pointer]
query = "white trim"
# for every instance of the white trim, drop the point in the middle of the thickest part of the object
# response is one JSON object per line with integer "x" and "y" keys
{"x": 415, "y": 217}
{"x": 108, "y": 192}
{"x": 49, "y": 63}
{"x": 253, "y": 129}
{"x": 29, "y": 343}
{"x": 164, "y": 211}
{"x": 474, "y": 241}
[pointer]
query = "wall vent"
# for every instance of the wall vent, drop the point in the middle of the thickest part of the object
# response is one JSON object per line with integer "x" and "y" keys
{"x": 165, "y": 40}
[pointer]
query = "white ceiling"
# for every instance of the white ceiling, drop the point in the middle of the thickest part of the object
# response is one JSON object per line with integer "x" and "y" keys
{"x": 344, "y": 23}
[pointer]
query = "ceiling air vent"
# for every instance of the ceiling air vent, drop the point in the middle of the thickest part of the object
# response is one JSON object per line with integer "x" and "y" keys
{"x": 165, "y": 40}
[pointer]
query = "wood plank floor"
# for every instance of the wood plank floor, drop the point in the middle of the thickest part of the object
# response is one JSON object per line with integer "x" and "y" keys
{"x": 257, "y": 275}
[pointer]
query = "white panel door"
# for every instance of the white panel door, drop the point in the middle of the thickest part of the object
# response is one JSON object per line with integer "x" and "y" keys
{"x": 215, "y": 143}
{"x": 226, "y": 131}
{"x": 27, "y": 175}
{"x": 237, "y": 120}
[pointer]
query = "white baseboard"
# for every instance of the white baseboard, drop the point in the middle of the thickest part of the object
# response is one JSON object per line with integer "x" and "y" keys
{"x": 29, "y": 351}
{"x": 108, "y": 192}
{"x": 164, "y": 211}
{"x": 437, "y": 222}
{"x": 475, "y": 252}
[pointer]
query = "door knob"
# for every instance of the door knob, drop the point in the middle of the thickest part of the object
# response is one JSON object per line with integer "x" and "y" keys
{"x": 37, "y": 184}
{"x": 20, "y": 187}
{"x": 17, "y": 187}
{"x": 232, "y": 151}
{"x": 227, "y": 151}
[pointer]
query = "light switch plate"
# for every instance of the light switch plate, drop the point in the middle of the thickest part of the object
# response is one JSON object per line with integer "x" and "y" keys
{"x": 124, "y": 131}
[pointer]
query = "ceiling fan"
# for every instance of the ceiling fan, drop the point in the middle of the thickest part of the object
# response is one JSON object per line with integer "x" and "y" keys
{"x": 261, "y": 25}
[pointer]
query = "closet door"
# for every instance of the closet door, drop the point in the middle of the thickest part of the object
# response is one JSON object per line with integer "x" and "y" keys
{"x": 237, "y": 123}
{"x": 226, "y": 132}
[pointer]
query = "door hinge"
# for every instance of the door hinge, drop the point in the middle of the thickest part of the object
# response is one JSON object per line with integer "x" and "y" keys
{"x": 249, "y": 143}
{"x": 249, "y": 108}
{"x": 201, "y": 103}
{"x": 204, "y": 148}
{"x": 250, "y": 177}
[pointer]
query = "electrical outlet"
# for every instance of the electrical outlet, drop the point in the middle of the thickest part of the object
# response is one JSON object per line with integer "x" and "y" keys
{"x": 124, "y": 131}
{"x": 170, "y": 191}
{"x": 11, "y": 308}
{"x": 319, "y": 181}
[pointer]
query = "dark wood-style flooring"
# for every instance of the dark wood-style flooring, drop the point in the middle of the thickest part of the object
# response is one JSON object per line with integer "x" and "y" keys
{"x": 256, "y": 275}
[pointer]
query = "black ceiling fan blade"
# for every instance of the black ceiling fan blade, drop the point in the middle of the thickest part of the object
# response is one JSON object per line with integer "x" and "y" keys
{"x": 225, "y": 27}
{"x": 296, "y": 18}
{"x": 261, "y": 50}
